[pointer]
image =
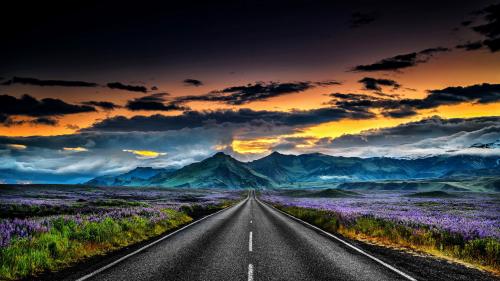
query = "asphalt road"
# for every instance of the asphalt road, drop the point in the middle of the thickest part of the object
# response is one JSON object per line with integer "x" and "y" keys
{"x": 250, "y": 241}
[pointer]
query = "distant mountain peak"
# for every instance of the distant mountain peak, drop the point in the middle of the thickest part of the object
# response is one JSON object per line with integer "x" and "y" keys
{"x": 221, "y": 154}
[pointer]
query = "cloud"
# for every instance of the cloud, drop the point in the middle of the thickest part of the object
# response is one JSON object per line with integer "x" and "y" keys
{"x": 430, "y": 136}
{"x": 16, "y": 146}
{"x": 192, "y": 82}
{"x": 145, "y": 154}
{"x": 259, "y": 91}
{"x": 492, "y": 44}
{"x": 105, "y": 105}
{"x": 489, "y": 28}
{"x": 360, "y": 19}
{"x": 75, "y": 149}
{"x": 397, "y": 108}
{"x": 193, "y": 119}
{"x": 470, "y": 46}
{"x": 44, "y": 121}
{"x": 42, "y": 109}
{"x": 45, "y": 158}
{"x": 413, "y": 132}
{"x": 67, "y": 83}
{"x": 38, "y": 82}
{"x": 401, "y": 61}
{"x": 153, "y": 102}
{"x": 374, "y": 84}
{"x": 131, "y": 88}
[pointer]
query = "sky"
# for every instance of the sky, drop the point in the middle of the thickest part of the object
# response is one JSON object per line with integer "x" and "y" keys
{"x": 91, "y": 88}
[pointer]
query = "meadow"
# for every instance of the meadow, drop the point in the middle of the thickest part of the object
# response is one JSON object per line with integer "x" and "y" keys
{"x": 464, "y": 227}
{"x": 47, "y": 228}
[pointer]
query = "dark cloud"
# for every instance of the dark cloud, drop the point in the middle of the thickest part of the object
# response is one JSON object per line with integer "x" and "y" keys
{"x": 192, "y": 82}
{"x": 492, "y": 44}
{"x": 374, "y": 84}
{"x": 412, "y": 132}
{"x": 359, "y": 19}
{"x": 154, "y": 102}
{"x": 154, "y": 88}
{"x": 44, "y": 121}
{"x": 193, "y": 119}
{"x": 260, "y": 91}
{"x": 131, "y": 88}
{"x": 30, "y": 106}
{"x": 105, "y": 105}
{"x": 402, "y": 112}
{"x": 38, "y": 82}
{"x": 401, "y": 61}
{"x": 471, "y": 46}
{"x": 490, "y": 28}
{"x": 397, "y": 108}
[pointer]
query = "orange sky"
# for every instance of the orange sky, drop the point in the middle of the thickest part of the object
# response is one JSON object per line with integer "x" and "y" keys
{"x": 456, "y": 68}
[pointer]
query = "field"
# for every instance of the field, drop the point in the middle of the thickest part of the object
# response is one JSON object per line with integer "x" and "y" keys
{"x": 460, "y": 226}
{"x": 46, "y": 228}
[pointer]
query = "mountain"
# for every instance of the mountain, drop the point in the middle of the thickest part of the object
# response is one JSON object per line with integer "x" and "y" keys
{"x": 317, "y": 167}
{"x": 287, "y": 169}
{"x": 279, "y": 170}
{"x": 220, "y": 170}
{"x": 490, "y": 145}
{"x": 134, "y": 177}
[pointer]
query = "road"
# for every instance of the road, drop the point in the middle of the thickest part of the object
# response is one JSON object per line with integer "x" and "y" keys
{"x": 250, "y": 241}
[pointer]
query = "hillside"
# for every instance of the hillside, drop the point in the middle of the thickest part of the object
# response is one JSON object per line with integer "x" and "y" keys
{"x": 220, "y": 171}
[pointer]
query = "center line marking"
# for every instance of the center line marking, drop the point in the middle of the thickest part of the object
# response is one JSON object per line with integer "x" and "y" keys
{"x": 250, "y": 221}
{"x": 250, "y": 246}
{"x": 250, "y": 272}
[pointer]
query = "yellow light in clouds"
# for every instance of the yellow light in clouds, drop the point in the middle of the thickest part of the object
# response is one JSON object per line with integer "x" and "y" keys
{"x": 145, "y": 153}
{"x": 17, "y": 146}
{"x": 75, "y": 149}
{"x": 253, "y": 146}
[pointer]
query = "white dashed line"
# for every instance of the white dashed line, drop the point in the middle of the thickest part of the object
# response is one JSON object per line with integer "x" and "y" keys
{"x": 250, "y": 221}
{"x": 250, "y": 272}
{"x": 250, "y": 244}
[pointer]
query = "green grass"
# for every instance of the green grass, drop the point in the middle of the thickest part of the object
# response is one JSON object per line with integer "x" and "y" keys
{"x": 483, "y": 253}
{"x": 68, "y": 242}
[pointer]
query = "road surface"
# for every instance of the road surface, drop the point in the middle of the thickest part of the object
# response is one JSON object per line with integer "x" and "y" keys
{"x": 253, "y": 241}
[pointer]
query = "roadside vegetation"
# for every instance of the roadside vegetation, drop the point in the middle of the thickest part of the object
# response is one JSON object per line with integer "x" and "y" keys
{"x": 55, "y": 233}
{"x": 461, "y": 229}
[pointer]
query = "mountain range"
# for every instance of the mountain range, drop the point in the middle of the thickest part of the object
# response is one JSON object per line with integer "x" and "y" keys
{"x": 279, "y": 170}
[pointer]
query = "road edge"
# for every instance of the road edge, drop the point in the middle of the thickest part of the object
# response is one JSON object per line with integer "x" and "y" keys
{"x": 388, "y": 266}
{"x": 101, "y": 269}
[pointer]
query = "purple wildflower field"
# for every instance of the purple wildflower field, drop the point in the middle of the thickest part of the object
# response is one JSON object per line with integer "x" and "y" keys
{"x": 470, "y": 215}
{"x": 29, "y": 210}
